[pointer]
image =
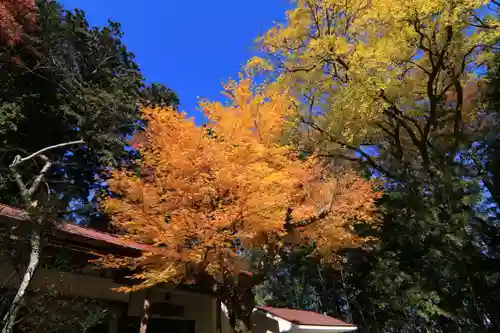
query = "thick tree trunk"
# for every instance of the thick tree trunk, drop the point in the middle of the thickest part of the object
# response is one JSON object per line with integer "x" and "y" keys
{"x": 9, "y": 319}
{"x": 240, "y": 313}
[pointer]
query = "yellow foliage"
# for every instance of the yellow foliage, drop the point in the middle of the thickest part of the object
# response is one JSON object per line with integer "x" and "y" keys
{"x": 201, "y": 189}
{"x": 342, "y": 54}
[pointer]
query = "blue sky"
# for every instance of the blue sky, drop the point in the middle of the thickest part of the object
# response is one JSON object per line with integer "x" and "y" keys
{"x": 190, "y": 46}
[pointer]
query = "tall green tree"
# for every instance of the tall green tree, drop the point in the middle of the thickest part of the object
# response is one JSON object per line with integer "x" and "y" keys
{"x": 64, "y": 81}
{"x": 393, "y": 87}
{"x": 69, "y": 102}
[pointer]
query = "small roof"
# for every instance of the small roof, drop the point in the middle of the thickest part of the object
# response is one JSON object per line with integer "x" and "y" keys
{"x": 304, "y": 317}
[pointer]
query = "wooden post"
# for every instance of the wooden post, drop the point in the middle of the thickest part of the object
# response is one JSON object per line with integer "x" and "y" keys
{"x": 218, "y": 313}
{"x": 145, "y": 312}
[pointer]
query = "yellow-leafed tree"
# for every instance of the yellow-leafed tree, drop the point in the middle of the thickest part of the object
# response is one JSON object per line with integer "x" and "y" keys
{"x": 363, "y": 69}
{"x": 395, "y": 86}
{"x": 205, "y": 193}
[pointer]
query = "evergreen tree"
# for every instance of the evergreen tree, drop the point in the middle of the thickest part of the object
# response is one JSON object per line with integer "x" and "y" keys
{"x": 66, "y": 80}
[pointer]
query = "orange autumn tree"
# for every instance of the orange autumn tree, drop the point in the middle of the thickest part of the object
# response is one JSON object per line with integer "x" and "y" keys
{"x": 203, "y": 190}
{"x": 16, "y": 16}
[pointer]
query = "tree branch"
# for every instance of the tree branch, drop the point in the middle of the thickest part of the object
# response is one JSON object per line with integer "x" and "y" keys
{"x": 367, "y": 157}
{"x": 321, "y": 214}
{"x": 28, "y": 193}
{"x": 38, "y": 180}
{"x": 18, "y": 160}
{"x": 433, "y": 100}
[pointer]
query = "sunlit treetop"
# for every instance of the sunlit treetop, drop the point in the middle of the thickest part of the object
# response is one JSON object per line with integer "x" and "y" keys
{"x": 352, "y": 60}
{"x": 204, "y": 193}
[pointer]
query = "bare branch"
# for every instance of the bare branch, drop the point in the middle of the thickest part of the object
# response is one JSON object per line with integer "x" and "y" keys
{"x": 367, "y": 157}
{"x": 38, "y": 180}
{"x": 18, "y": 160}
{"x": 28, "y": 193}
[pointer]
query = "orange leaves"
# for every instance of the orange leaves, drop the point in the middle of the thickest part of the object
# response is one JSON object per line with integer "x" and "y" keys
{"x": 206, "y": 188}
{"x": 16, "y": 16}
{"x": 251, "y": 117}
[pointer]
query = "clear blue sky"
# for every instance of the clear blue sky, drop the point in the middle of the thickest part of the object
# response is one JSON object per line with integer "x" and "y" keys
{"x": 190, "y": 46}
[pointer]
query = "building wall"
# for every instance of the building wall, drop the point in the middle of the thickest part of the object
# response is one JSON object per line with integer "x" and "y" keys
{"x": 67, "y": 283}
{"x": 197, "y": 307}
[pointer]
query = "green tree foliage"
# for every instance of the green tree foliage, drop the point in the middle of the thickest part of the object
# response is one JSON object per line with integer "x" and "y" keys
{"x": 423, "y": 132}
{"x": 66, "y": 81}
{"x": 300, "y": 280}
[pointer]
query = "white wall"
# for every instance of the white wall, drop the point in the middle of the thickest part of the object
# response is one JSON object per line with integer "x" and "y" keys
{"x": 67, "y": 283}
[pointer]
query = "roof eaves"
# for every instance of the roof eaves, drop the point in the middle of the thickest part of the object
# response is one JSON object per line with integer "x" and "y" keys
{"x": 325, "y": 328}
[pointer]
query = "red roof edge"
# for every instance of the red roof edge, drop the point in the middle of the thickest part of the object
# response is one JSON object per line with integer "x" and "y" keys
{"x": 77, "y": 230}
{"x": 304, "y": 317}
{"x": 12, "y": 212}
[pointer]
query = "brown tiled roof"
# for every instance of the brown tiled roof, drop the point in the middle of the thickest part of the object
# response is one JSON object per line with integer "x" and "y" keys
{"x": 104, "y": 237}
{"x": 303, "y": 317}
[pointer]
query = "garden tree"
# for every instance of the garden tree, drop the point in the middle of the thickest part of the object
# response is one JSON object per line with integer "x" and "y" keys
{"x": 206, "y": 195}
{"x": 488, "y": 163}
{"x": 16, "y": 17}
{"x": 158, "y": 95}
{"x": 490, "y": 147}
{"x": 67, "y": 81}
{"x": 359, "y": 65}
{"x": 393, "y": 85}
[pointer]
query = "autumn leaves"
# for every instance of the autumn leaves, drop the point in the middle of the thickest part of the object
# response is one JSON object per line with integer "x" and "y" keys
{"x": 338, "y": 75}
{"x": 203, "y": 190}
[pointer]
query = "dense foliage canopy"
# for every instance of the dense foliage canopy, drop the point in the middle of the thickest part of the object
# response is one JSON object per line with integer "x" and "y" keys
{"x": 397, "y": 88}
{"x": 204, "y": 194}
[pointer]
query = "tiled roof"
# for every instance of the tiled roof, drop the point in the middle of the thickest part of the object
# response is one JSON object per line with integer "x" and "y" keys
{"x": 88, "y": 234}
{"x": 104, "y": 237}
{"x": 85, "y": 233}
{"x": 303, "y": 317}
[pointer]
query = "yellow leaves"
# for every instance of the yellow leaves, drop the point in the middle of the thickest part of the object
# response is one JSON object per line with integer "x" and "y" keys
{"x": 257, "y": 64}
{"x": 250, "y": 116}
{"x": 201, "y": 189}
{"x": 343, "y": 53}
